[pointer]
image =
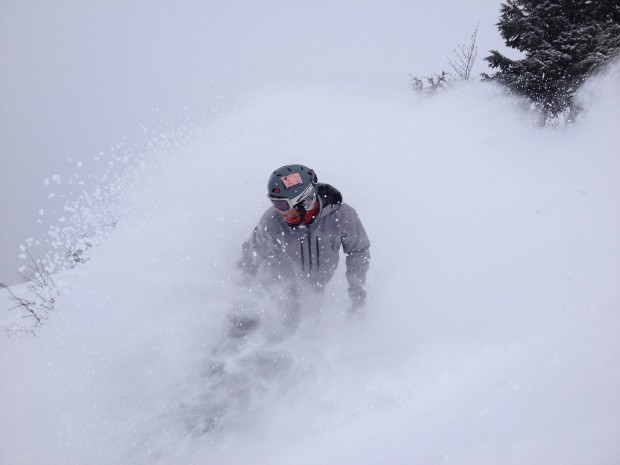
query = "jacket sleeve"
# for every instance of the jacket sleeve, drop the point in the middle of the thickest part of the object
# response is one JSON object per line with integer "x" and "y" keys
{"x": 257, "y": 248}
{"x": 356, "y": 246}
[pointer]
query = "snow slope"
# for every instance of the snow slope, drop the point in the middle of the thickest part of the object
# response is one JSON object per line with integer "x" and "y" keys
{"x": 491, "y": 331}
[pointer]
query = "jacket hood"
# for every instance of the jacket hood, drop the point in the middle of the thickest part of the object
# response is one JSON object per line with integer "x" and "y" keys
{"x": 330, "y": 198}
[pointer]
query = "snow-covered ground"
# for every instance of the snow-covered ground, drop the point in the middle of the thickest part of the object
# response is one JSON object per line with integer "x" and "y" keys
{"x": 491, "y": 331}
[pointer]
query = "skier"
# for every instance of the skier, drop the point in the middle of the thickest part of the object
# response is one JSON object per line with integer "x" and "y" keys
{"x": 290, "y": 257}
{"x": 297, "y": 242}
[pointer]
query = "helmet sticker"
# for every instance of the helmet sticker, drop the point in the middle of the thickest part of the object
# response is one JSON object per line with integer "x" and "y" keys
{"x": 292, "y": 180}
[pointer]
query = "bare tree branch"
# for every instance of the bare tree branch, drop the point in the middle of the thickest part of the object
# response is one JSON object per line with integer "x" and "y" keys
{"x": 462, "y": 64}
{"x": 42, "y": 296}
{"x": 464, "y": 57}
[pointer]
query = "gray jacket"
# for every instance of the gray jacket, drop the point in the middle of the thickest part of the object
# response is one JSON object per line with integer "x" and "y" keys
{"x": 311, "y": 252}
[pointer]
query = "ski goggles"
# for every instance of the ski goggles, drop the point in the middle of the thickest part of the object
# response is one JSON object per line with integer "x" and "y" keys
{"x": 284, "y": 205}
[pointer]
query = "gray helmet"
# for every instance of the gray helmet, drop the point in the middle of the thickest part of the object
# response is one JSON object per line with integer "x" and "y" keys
{"x": 290, "y": 185}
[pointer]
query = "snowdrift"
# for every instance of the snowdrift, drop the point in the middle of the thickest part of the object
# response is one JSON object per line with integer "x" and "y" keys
{"x": 490, "y": 335}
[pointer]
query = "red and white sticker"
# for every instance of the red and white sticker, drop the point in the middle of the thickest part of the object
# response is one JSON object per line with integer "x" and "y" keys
{"x": 292, "y": 180}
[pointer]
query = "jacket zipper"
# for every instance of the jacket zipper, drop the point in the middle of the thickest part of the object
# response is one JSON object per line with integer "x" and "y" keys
{"x": 318, "y": 255}
{"x": 310, "y": 258}
{"x": 310, "y": 251}
{"x": 301, "y": 244}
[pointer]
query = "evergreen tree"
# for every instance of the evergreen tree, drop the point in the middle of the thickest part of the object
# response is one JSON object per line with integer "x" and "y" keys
{"x": 563, "y": 41}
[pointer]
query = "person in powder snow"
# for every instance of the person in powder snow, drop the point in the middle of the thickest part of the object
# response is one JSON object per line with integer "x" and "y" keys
{"x": 298, "y": 240}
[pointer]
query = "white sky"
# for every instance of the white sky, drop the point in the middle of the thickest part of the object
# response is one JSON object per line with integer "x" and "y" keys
{"x": 79, "y": 77}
